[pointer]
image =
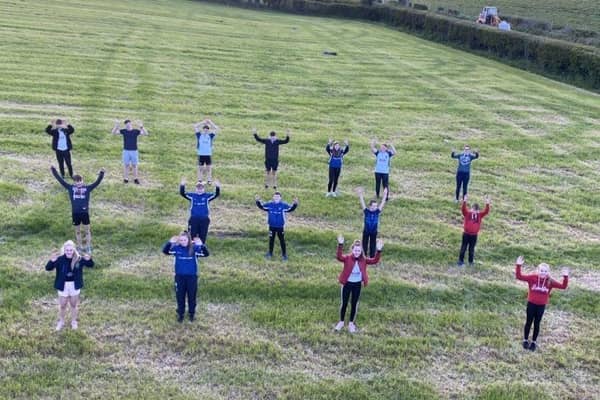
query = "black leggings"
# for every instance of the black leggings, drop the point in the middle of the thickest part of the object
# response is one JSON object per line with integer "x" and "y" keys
{"x": 64, "y": 156}
{"x": 369, "y": 240}
{"x": 354, "y": 289}
{"x": 462, "y": 179}
{"x": 279, "y": 232}
{"x": 534, "y": 314}
{"x": 334, "y": 175}
{"x": 186, "y": 286}
{"x": 467, "y": 241}
{"x": 198, "y": 226}
{"x": 379, "y": 180}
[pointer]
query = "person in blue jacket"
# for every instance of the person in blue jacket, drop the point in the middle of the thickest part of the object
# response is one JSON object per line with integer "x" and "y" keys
{"x": 206, "y": 131}
{"x": 336, "y": 159}
{"x": 276, "y": 210}
{"x": 79, "y": 195}
{"x": 463, "y": 171}
{"x": 371, "y": 221}
{"x": 68, "y": 281}
{"x": 383, "y": 157}
{"x": 186, "y": 253}
{"x": 199, "y": 208}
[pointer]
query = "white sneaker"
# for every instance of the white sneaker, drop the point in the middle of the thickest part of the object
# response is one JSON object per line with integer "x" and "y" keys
{"x": 60, "y": 324}
{"x": 334, "y": 194}
{"x": 327, "y": 194}
{"x": 74, "y": 325}
{"x": 339, "y": 326}
{"x": 351, "y": 327}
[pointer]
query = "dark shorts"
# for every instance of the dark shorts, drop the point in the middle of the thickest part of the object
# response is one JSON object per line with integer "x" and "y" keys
{"x": 81, "y": 218}
{"x": 271, "y": 164}
{"x": 204, "y": 160}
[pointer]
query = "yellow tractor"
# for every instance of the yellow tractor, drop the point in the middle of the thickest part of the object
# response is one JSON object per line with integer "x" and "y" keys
{"x": 489, "y": 16}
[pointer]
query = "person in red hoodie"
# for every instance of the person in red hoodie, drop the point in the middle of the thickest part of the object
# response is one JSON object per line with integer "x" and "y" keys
{"x": 353, "y": 277}
{"x": 472, "y": 223}
{"x": 540, "y": 285}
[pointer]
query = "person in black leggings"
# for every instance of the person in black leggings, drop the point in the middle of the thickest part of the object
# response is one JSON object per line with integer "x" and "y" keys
{"x": 336, "y": 159}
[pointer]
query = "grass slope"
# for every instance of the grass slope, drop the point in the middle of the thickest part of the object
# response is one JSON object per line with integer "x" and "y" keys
{"x": 428, "y": 330}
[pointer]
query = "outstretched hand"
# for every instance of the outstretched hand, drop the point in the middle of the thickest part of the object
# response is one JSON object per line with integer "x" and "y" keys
{"x": 520, "y": 260}
{"x": 254, "y": 131}
{"x": 488, "y": 199}
{"x": 379, "y": 244}
{"x": 173, "y": 239}
{"x": 183, "y": 182}
{"x": 360, "y": 190}
{"x": 256, "y": 197}
{"x": 217, "y": 183}
{"x": 295, "y": 200}
{"x": 54, "y": 255}
{"x": 565, "y": 271}
{"x": 340, "y": 239}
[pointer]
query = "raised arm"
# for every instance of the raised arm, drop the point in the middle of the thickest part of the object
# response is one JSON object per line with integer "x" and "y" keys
{"x": 143, "y": 130}
{"x": 49, "y": 128}
{"x": 392, "y": 149}
{"x": 373, "y": 148}
{"x": 167, "y": 246}
{"x": 293, "y": 206}
{"x": 328, "y": 147}
{"x": 346, "y": 147}
{"x": 340, "y": 249}
{"x": 454, "y": 154}
{"x": 259, "y": 204}
{"x": 182, "y": 190}
{"x": 86, "y": 261}
{"x": 217, "y": 191}
{"x": 377, "y": 257}
{"x": 565, "y": 281}
{"x": 59, "y": 178}
{"x": 518, "y": 274}
{"x": 257, "y": 138}
{"x": 98, "y": 180}
{"x": 214, "y": 127}
{"x": 115, "y": 129}
{"x": 361, "y": 194}
{"x": 51, "y": 264}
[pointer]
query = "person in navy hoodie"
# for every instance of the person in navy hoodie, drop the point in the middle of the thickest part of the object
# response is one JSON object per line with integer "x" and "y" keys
{"x": 463, "y": 172}
{"x": 61, "y": 132}
{"x": 371, "y": 221}
{"x": 353, "y": 277}
{"x": 68, "y": 281}
{"x": 186, "y": 253}
{"x": 383, "y": 157}
{"x": 79, "y": 195}
{"x": 336, "y": 159}
{"x": 199, "y": 208}
{"x": 206, "y": 131}
{"x": 276, "y": 210}
{"x": 540, "y": 286}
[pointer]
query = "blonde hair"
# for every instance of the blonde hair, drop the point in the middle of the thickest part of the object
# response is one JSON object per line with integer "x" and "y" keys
{"x": 76, "y": 255}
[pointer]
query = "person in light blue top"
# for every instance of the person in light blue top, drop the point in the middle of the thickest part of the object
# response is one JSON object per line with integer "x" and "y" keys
{"x": 206, "y": 130}
{"x": 463, "y": 172}
{"x": 383, "y": 157}
{"x": 276, "y": 210}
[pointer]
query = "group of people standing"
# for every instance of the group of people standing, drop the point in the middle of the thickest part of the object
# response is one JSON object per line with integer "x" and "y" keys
{"x": 190, "y": 244}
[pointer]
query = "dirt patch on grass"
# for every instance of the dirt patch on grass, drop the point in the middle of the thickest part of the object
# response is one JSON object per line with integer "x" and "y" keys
{"x": 589, "y": 280}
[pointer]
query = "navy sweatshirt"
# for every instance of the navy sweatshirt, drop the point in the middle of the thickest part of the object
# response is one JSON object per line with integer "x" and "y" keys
{"x": 79, "y": 196}
{"x": 185, "y": 264}
{"x": 199, "y": 201}
{"x": 271, "y": 146}
{"x": 276, "y": 212}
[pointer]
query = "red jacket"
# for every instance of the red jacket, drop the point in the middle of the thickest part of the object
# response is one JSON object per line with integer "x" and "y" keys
{"x": 539, "y": 288}
{"x": 473, "y": 220}
{"x": 349, "y": 261}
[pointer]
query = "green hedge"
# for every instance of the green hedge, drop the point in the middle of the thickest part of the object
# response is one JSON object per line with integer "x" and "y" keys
{"x": 573, "y": 63}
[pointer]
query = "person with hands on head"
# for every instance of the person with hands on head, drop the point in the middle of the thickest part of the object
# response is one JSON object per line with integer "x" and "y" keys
{"x": 186, "y": 253}
{"x": 199, "y": 208}
{"x": 473, "y": 218}
{"x": 68, "y": 280}
{"x": 272, "y": 144}
{"x": 79, "y": 195}
{"x": 540, "y": 286}
{"x": 463, "y": 172}
{"x": 276, "y": 211}
{"x": 336, "y": 159}
{"x": 383, "y": 157}
{"x": 130, "y": 148}
{"x": 61, "y": 132}
{"x": 371, "y": 221}
{"x": 206, "y": 131}
{"x": 353, "y": 276}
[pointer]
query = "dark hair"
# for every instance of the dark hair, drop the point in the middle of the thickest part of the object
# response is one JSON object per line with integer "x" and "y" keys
{"x": 277, "y": 193}
{"x": 77, "y": 178}
{"x": 127, "y": 121}
{"x": 372, "y": 202}
{"x": 476, "y": 206}
{"x": 272, "y": 133}
{"x": 206, "y": 127}
{"x": 59, "y": 121}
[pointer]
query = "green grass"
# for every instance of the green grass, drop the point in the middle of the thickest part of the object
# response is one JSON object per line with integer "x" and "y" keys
{"x": 427, "y": 330}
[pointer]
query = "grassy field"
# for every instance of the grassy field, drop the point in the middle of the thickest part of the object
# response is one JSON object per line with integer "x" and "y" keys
{"x": 578, "y": 14}
{"x": 427, "y": 329}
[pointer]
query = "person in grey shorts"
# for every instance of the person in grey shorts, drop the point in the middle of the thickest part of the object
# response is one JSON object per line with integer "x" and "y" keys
{"x": 130, "y": 148}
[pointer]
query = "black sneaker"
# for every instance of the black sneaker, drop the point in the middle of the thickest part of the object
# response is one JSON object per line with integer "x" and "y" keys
{"x": 192, "y": 317}
{"x": 136, "y": 181}
{"x": 180, "y": 318}
{"x": 526, "y": 344}
{"x": 532, "y": 346}
{"x": 125, "y": 180}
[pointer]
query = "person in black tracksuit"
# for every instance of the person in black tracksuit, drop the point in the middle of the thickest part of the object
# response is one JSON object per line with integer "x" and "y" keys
{"x": 61, "y": 132}
{"x": 271, "y": 155}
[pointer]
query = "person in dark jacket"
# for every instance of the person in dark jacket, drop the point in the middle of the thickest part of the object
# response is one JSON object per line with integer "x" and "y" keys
{"x": 79, "y": 195}
{"x": 276, "y": 210}
{"x": 371, "y": 220}
{"x": 272, "y": 144}
{"x": 61, "y": 132}
{"x": 463, "y": 171}
{"x": 68, "y": 281}
{"x": 353, "y": 277}
{"x": 186, "y": 253}
{"x": 199, "y": 208}
{"x": 336, "y": 159}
